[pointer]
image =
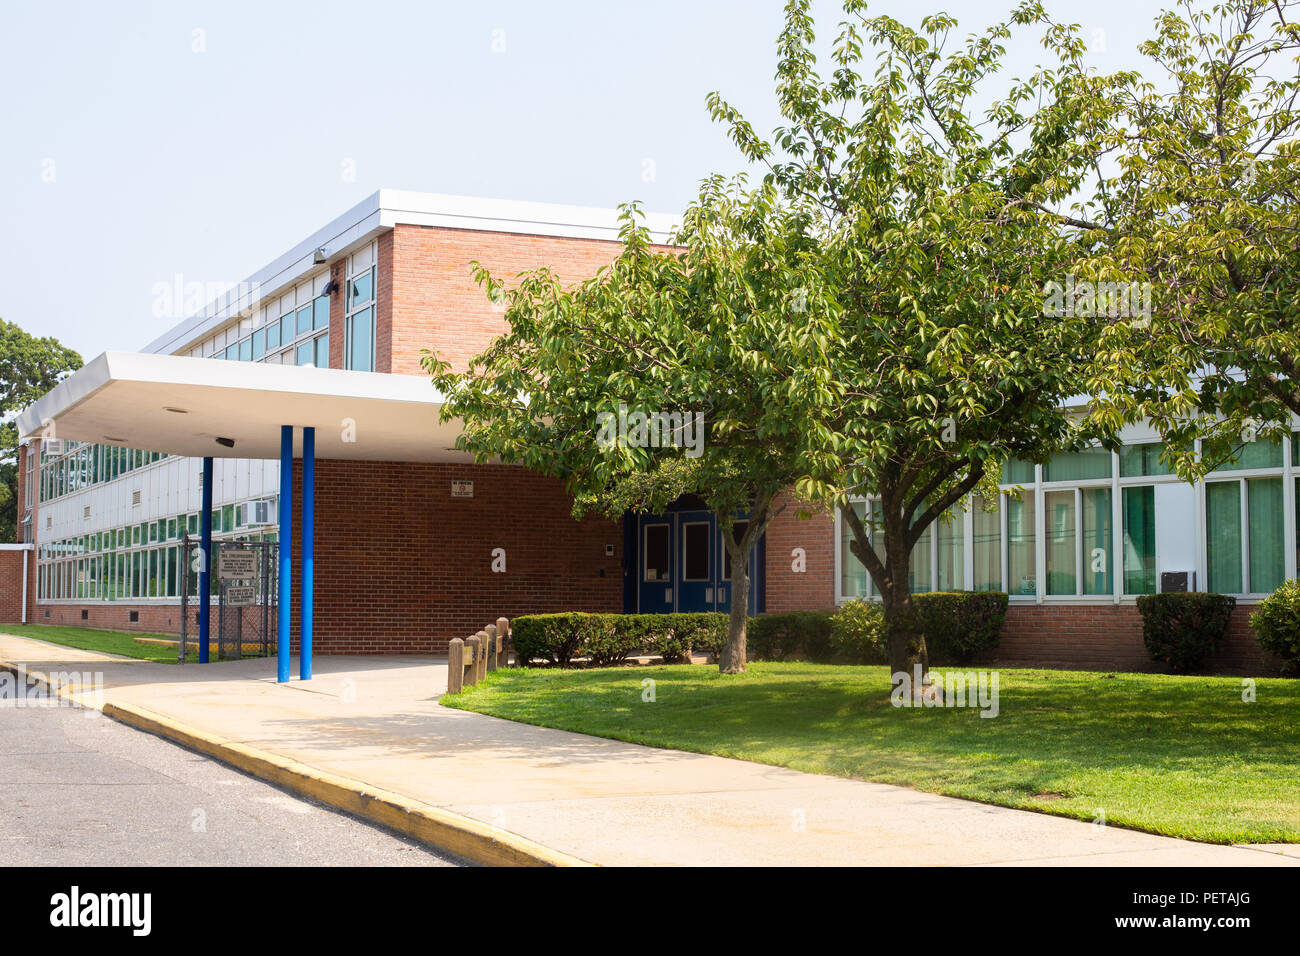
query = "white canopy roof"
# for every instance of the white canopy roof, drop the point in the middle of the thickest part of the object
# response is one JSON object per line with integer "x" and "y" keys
{"x": 182, "y": 405}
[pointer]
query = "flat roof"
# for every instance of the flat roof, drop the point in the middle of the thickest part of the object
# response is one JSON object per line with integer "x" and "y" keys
{"x": 382, "y": 211}
{"x": 182, "y": 405}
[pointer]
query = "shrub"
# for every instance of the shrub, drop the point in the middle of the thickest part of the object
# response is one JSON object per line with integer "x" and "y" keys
{"x": 555, "y": 638}
{"x": 609, "y": 639}
{"x": 1276, "y": 621}
{"x": 960, "y": 624}
{"x": 1183, "y": 629}
{"x": 605, "y": 643}
{"x": 705, "y": 631}
{"x": 857, "y": 633}
{"x": 796, "y": 635}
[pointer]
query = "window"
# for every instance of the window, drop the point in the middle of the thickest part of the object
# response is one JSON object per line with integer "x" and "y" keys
{"x": 1139, "y": 512}
{"x": 1022, "y": 574}
{"x": 1090, "y": 463}
{"x": 1142, "y": 460}
{"x": 1016, "y": 471}
{"x": 695, "y": 551}
{"x": 323, "y": 351}
{"x": 951, "y": 565}
{"x": 986, "y": 535}
{"x": 657, "y": 552}
{"x": 320, "y": 312}
{"x": 359, "y": 312}
{"x": 1244, "y": 535}
{"x": 1255, "y": 454}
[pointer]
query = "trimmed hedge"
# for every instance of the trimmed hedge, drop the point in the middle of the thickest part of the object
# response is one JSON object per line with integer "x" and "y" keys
{"x": 1276, "y": 622}
{"x": 1182, "y": 630}
{"x": 960, "y": 624}
{"x": 610, "y": 639}
{"x": 796, "y": 635}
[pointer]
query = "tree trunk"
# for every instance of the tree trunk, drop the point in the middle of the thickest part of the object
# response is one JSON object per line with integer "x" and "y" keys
{"x": 904, "y": 632}
{"x": 731, "y": 660}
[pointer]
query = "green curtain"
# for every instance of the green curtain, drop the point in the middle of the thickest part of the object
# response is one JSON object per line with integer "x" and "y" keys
{"x": 1078, "y": 465}
{"x": 1139, "y": 507}
{"x": 1223, "y": 536}
{"x": 1266, "y": 537}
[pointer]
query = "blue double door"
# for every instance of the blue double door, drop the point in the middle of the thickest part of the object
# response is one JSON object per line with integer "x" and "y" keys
{"x": 683, "y": 567}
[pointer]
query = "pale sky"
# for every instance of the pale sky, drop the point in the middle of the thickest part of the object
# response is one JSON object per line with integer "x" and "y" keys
{"x": 145, "y": 140}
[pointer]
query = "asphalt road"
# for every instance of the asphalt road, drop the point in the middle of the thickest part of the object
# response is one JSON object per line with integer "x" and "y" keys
{"x": 79, "y": 789}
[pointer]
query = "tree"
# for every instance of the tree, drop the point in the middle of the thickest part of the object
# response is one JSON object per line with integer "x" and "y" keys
{"x": 29, "y": 367}
{"x": 938, "y": 235}
{"x": 696, "y": 370}
{"x": 1203, "y": 207}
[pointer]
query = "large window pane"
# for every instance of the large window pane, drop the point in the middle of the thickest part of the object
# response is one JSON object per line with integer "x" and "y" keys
{"x": 1223, "y": 536}
{"x": 306, "y": 354}
{"x": 1021, "y": 565}
{"x": 1255, "y": 454}
{"x": 1266, "y": 536}
{"x": 1017, "y": 472}
{"x": 360, "y": 342}
{"x": 986, "y": 534}
{"x": 304, "y": 319}
{"x": 1098, "y": 537}
{"x": 1139, "y": 506}
{"x": 919, "y": 566}
{"x": 287, "y": 333}
{"x": 952, "y": 565}
{"x": 361, "y": 289}
{"x": 323, "y": 351}
{"x": 1062, "y": 545}
{"x": 1137, "y": 461}
{"x": 320, "y": 312}
{"x": 1078, "y": 465}
{"x": 853, "y": 574}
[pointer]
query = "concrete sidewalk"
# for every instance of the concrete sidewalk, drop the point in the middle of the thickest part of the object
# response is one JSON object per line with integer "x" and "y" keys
{"x": 368, "y": 725}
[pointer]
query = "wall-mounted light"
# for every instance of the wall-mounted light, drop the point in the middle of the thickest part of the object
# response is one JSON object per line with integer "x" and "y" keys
{"x": 318, "y": 257}
{"x": 330, "y": 287}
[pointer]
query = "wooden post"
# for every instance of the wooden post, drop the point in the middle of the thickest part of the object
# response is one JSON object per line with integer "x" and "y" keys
{"x": 481, "y": 661}
{"x": 455, "y": 666}
{"x": 474, "y": 651}
{"x": 503, "y": 630}
{"x": 494, "y": 646}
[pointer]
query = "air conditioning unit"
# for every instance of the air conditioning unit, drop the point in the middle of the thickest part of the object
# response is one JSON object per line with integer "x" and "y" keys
{"x": 258, "y": 512}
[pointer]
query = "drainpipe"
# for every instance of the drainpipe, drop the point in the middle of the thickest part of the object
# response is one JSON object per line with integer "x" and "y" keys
{"x": 24, "y": 615}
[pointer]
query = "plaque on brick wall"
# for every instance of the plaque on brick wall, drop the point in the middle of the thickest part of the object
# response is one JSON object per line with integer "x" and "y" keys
{"x": 462, "y": 489}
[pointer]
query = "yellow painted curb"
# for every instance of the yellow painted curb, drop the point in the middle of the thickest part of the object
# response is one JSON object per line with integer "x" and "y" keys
{"x": 439, "y": 828}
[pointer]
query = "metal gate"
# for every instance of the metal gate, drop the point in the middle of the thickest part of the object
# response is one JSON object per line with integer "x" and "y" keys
{"x": 243, "y": 578}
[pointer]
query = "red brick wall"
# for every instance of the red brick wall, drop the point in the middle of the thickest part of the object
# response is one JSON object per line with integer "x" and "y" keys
{"x": 1109, "y": 637}
{"x": 11, "y": 585}
{"x": 402, "y": 567}
{"x": 154, "y": 618}
{"x": 814, "y": 589}
{"x": 427, "y": 296}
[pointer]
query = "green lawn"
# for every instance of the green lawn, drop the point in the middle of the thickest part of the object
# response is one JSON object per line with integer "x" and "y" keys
{"x": 1183, "y": 756}
{"x": 89, "y": 639}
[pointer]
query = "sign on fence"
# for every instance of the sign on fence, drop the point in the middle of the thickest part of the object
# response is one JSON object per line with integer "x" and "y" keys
{"x": 236, "y": 564}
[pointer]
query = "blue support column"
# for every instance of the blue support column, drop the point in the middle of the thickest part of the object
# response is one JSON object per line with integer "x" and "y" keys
{"x": 308, "y": 548}
{"x": 286, "y": 554}
{"x": 205, "y": 569}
